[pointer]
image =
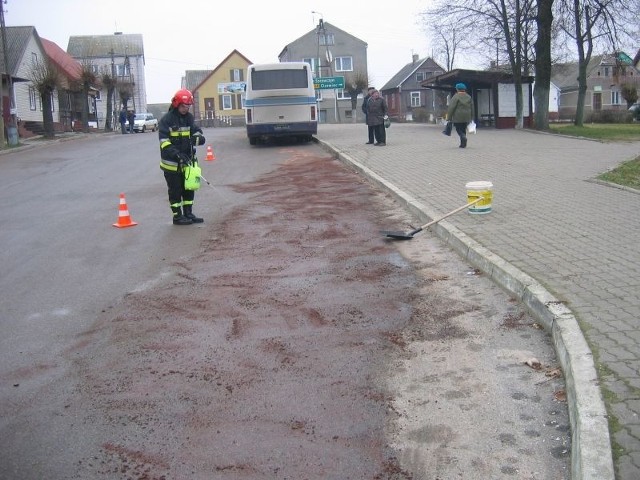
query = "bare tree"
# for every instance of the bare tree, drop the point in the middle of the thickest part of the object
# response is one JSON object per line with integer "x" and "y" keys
{"x": 544, "y": 21}
{"x": 595, "y": 24}
{"x": 126, "y": 93}
{"x": 484, "y": 20}
{"x": 629, "y": 92}
{"x": 446, "y": 41}
{"x": 87, "y": 80}
{"x": 355, "y": 83}
{"x": 109, "y": 82}
{"x": 45, "y": 78}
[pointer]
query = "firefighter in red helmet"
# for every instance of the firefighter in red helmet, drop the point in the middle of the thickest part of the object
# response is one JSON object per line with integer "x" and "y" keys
{"x": 179, "y": 135}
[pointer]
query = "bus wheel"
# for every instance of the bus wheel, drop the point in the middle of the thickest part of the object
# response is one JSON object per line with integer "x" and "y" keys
{"x": 253, "y": 140}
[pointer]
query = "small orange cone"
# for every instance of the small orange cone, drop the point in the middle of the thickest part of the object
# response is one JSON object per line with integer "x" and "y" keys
{"x": 210, "y": 155}
{"x": 124, "y": 220}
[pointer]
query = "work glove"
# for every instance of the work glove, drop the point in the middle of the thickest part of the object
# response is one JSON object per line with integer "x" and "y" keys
{"x": 197, "y": 139}
{"x": 183, "y": 159}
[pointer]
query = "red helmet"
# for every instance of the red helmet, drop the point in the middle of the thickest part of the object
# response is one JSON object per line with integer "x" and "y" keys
{"x": 182, "y": 96}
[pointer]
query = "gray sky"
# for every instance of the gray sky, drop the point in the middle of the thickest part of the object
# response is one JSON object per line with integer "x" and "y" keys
{"x": 199, "y": 34}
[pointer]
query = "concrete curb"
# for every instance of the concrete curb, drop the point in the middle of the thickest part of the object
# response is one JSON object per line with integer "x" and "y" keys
{"x": 591, "y": 455}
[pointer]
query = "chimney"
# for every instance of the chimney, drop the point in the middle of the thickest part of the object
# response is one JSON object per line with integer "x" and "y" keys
{"x": 415, "y": 57}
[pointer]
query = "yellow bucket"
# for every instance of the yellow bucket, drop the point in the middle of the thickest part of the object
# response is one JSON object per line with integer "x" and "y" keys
{"x": 476, "y": 190}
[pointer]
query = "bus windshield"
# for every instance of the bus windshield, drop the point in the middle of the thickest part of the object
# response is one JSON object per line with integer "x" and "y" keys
{"x": 278, "y": 79}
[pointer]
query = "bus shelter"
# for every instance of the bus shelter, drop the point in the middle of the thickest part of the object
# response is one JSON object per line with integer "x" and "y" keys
{"x": 493, "y": 94}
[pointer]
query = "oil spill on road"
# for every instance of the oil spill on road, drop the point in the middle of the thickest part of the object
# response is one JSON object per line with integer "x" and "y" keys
{"x": 271, "y": 355}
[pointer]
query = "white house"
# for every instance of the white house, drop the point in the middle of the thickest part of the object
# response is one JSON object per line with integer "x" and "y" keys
{"x": 119, "y": 55}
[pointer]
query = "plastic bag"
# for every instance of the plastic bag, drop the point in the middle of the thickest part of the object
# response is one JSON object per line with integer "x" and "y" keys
{"x": 447, "y": 129}
{"x": 387, "y": 122}
{"x": 471, "y": 127}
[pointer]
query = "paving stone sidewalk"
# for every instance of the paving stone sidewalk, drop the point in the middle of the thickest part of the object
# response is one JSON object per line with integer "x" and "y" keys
{"x": 579, "y": 239}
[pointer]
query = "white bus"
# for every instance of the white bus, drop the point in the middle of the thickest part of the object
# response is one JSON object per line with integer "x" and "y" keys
{"x": 280, "y": 101}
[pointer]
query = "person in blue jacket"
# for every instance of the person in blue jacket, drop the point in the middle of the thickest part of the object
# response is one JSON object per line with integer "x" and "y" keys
{"x": 123, "y": 120}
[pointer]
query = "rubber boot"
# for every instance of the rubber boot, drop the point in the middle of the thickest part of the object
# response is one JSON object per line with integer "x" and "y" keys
{"x": 178, "y": 218}
{"x": 463, "y": 142}
{"x": 189, "y": 214}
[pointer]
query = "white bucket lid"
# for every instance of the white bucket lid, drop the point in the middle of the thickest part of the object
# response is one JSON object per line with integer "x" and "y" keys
{"x": 479, "y": 185}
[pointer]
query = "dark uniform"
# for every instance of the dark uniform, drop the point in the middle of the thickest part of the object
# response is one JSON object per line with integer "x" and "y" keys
{"x": 178, "y": 137}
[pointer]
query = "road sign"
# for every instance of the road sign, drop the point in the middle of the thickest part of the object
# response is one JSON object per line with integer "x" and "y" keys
{"x": 320, "y": 83}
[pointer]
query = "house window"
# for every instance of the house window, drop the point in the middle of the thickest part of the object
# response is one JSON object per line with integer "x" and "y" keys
{"x": 343, "y": 95}
{"x": 315, "y": 65}
{"x": 344, "y": 64}
{"x": 606, "y": 71}
{"x": 420, "y": 76}
{"x": 51, "y": 100}
{"x": 415, "y": 99}
{"x": 615, "y": 97}
{"x": 236, "y": 75}
{"x": 32, "y": 99}
{"x": 34, "y": 58}
{"x": 226, "y": 102}
{"x": 122, "y": 70}
{"x": 619, "y": 72}
{"x": 327, "y": 39}
{"x": 98, "y": 96}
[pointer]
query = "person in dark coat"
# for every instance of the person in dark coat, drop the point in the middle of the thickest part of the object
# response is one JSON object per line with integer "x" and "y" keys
{"x": 123, "y": 120}
{"x": 131, "y": 116}
{"x": 377, "y": 114}
{"x": 179, "y": 135}
{"x": 366, "y": 114}
{"x": 460, "y": 112}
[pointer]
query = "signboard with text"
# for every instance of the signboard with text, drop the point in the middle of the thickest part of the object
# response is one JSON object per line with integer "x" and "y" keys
{"x": 321, "y": 83}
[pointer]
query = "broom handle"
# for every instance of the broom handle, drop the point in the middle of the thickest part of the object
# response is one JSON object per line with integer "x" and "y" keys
{"x": 450, "y": 213}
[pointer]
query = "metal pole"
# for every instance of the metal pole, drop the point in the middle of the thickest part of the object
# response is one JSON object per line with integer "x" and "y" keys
{"x": 12, "y": 115}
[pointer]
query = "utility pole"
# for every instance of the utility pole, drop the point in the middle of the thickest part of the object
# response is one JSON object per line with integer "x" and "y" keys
{"x": 12, "y": 129}
{"x": 322, "y": 33}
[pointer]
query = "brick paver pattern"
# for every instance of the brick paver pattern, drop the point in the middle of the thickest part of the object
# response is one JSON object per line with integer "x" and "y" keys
{"x": 577, "y": 237}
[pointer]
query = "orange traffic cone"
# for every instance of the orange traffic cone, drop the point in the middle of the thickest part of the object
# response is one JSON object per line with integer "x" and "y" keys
{"x": 124, "y": 220}
{"x": 210, "y": 155}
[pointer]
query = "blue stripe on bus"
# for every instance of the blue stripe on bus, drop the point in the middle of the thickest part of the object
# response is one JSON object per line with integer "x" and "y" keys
{"x": 267, "y": 101}
{"x": 283, "y": 129}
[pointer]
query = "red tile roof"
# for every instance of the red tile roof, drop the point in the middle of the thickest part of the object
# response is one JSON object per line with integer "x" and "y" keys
{"x": 68, "y": 65}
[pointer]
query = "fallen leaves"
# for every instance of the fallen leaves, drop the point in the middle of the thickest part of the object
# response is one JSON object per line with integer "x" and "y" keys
{"x": 533, "y": 363}
{"x": 560, "y": 396}
{"x": 549, "y": 372}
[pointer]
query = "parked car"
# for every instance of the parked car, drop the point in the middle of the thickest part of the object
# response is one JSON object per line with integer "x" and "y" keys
{"x": 144, "y": 122}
